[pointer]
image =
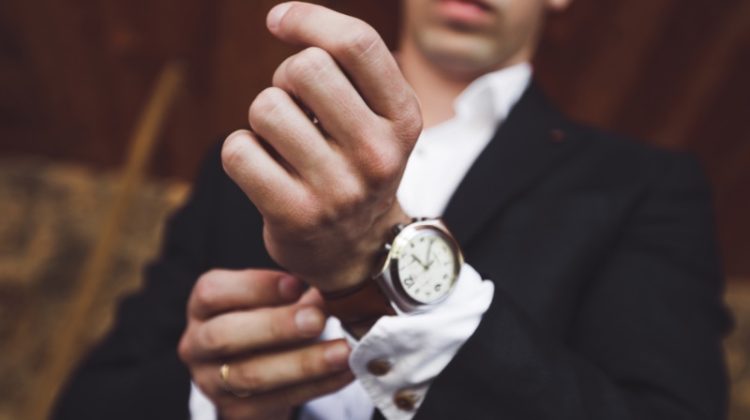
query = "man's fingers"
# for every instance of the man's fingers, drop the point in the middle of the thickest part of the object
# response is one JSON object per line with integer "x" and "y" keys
{"x": 258, "y": 174}
{"x": 356, "y": 46}
{"x": 312, "y": 297}
{"x": 219, "y": 291}
{"x": 235, "y": 333}
{"x": 256, "y": 405}
{"x": 262, "y": 373}
{"x": 313, "y": 76}
{"x": 276, "y": 117}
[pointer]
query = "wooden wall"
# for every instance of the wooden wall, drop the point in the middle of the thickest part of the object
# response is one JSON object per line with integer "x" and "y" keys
{"x": 74, "y": 75}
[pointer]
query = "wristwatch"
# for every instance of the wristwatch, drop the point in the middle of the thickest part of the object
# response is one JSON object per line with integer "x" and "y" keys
{"x": 420, "y": 267}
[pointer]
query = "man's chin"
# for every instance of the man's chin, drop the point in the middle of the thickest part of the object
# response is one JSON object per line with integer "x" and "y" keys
{"x": 465, "y": 55}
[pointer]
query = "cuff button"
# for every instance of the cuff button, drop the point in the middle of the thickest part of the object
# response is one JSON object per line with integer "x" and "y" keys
{"x": 379, "y": 367}
{"x": 405, "y": 400}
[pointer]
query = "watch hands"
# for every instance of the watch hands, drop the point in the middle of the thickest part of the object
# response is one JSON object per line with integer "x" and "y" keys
{"x": 427, "y": 257}
{"x": 433, "y": 261}
{"x": 414, "y": 257}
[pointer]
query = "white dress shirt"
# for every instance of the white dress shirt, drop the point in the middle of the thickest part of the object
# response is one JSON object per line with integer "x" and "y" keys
{"x": 412, "y": 345}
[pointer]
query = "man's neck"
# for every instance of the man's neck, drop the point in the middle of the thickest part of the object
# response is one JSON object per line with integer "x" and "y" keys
{"x": 436, "y": 91}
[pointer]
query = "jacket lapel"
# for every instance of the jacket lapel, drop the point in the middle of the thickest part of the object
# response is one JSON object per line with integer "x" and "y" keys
{"x": 532, "y": 141}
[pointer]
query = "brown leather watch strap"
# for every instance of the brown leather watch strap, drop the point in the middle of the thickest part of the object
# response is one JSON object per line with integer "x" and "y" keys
{"x": 359, "y": 307}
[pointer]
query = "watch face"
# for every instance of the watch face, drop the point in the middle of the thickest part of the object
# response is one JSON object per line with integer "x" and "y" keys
{"x": 427, "y": 267}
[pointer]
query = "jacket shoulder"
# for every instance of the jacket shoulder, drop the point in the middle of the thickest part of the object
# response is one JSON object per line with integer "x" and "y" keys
{"x": 637, "y": 158}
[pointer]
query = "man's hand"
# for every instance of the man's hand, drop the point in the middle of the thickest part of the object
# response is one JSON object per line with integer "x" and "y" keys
{"x": 260, "y": 325}
{"x": 326, "y": 185}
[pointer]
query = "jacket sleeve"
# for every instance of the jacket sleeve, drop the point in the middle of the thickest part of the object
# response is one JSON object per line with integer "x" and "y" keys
{"x": 134, "y": 373}
{"x": 645, "y": 342}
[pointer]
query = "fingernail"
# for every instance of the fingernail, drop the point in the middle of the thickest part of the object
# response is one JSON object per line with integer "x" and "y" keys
{"x": 309, "y": 320}
{"x": 289, "y": 287}
{"x": 337, "y": 355}
{"x": 275, "y": 15}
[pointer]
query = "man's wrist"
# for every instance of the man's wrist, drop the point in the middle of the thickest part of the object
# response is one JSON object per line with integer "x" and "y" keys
{"x": 361, "y": 268}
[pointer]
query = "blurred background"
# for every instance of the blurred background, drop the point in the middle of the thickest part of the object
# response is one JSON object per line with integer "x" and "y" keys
{"x": 107, "y": 107}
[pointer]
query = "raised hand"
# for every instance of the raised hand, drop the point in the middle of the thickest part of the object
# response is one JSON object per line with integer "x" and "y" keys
{"x": 326, "y": 188}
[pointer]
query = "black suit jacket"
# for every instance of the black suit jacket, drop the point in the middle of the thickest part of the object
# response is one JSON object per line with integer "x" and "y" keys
{"x": 607, "y": 301}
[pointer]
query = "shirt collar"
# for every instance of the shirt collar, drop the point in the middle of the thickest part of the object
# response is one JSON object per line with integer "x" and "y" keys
{"x": 491, "y": 96}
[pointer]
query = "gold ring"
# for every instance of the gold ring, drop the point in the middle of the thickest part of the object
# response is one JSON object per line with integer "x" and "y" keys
{"x": 224, "y": 375}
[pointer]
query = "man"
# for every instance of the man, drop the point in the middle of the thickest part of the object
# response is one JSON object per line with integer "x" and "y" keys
{"x": 602, "y": 290}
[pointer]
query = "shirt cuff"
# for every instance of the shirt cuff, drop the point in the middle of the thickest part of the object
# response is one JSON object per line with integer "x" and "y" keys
{"x": 396, "y": 361}
{"x": 201, "y": 408}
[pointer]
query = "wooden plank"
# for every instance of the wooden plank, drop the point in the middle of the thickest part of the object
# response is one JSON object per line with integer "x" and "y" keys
{"x": 614, "y": 69}
{"x": 706, "y": 79}
{"x": 75, "y": 319}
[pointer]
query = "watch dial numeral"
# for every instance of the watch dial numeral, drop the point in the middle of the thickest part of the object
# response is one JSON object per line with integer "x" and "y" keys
{"x": 438, "y": 287}
{"x": 408, "y": 282}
